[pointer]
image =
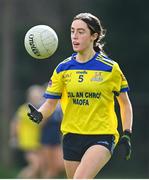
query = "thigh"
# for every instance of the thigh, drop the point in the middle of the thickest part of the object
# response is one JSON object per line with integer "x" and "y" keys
{"x": 92, "y": 162}
{"x": 70, "y": 167}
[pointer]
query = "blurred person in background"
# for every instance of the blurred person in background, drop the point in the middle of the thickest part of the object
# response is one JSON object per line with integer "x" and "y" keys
{"x": 51, "y": 149}
{"x": 26, "y": 134}
{"x": 87, "y": 83}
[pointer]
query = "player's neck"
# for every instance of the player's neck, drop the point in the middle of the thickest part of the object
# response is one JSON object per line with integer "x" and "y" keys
{"x": 85, "y": 56}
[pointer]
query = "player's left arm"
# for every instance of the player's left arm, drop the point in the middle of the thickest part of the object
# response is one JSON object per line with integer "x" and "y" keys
{"x": 127, "y": 120}
{"x": 126, "y": 111}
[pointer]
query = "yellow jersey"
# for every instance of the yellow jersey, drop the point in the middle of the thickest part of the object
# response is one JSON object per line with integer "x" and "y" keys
{"x": 87, "y": 93}
{"x": 28, "y": 132}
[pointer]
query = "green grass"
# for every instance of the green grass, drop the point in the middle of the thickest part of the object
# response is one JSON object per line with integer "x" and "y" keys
{"x": 10, "y": 173}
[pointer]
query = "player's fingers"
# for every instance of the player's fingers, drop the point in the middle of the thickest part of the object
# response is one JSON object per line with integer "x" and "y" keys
{"x": 31, "y": 107}
{"x": 128, "y": 155}
{"x": 30, "y": 116}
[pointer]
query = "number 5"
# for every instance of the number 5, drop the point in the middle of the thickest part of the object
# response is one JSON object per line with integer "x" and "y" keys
{"x": 80, "y": 78}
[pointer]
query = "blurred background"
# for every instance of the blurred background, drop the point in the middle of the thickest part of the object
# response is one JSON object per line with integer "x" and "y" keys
{"x": 127, "y": 42}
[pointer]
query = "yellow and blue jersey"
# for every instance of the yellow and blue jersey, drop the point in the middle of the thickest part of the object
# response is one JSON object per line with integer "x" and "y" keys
{"x": 87, "y": 94}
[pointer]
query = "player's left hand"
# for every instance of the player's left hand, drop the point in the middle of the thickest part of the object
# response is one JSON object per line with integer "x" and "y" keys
{"x": 125, "y": 144}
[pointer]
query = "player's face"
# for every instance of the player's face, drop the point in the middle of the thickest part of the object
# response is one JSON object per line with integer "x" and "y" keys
{"x": 81, "y": 37}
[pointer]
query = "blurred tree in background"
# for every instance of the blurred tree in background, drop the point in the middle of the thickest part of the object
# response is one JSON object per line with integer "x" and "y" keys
{"x": 127, "y": 39}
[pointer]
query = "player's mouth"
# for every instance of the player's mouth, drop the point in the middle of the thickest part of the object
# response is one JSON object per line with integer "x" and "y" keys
{"x": 75, "y": 44}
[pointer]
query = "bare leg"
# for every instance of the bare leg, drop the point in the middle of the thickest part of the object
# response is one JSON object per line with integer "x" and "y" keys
{"x": 92, "y": 162}
{"x": 33, "y": 167}
{"x": 52, "y": 161}
{"x": 58, "y": 163}
{"x": 70, "y": 167}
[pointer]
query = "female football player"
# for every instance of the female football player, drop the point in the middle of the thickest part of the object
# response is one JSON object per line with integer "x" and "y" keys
{"x": 27, "y": 135}
{"x": 87, "y": 83}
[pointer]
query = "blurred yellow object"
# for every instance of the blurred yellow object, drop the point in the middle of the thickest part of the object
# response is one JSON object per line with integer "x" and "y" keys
{"x": 28, "y": 132}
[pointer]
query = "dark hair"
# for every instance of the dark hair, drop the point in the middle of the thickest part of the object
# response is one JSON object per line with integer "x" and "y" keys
{"x": 94, "y": 25}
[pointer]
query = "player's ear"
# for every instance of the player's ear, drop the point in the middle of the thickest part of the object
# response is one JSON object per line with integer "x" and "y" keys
{"x": 94, "y": 36}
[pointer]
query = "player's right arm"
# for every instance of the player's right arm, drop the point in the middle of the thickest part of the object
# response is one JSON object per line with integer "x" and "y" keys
{"x": 48, "y": 107}
{"x": 52, "y": 94}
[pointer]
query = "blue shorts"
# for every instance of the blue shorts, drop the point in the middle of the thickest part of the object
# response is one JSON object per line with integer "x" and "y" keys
{"x": 51, "y": 134}
{"x": 75, "y": 145}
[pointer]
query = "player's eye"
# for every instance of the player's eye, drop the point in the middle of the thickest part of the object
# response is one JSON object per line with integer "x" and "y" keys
{"x": 81, "y": 32}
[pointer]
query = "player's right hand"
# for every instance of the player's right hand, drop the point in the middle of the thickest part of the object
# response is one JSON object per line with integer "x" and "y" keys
{"x": 34, "y": 114}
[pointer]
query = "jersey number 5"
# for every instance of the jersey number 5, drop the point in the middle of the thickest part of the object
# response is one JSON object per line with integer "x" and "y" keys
{"x": 80, "y": 78}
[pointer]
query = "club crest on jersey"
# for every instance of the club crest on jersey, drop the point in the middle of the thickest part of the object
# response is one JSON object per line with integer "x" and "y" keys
{"x": 97, "y": 77}
{"x": 67, "y": 77}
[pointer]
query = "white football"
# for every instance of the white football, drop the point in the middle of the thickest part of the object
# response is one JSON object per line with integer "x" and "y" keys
{"x": 41, "y": 41}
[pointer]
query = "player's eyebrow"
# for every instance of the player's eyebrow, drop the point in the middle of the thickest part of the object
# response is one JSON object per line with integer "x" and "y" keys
{"x": 82, "y": 29}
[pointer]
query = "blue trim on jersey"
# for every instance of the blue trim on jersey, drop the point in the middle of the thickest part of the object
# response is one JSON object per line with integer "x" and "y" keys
{"x": 49, "y": 96}
{"x": 92, "y": 64}
{"x": 125, "y": 89}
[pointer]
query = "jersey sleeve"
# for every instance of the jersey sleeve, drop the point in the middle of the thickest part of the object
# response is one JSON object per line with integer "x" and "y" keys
{"x": 55, "y": 86}
{"x": 120, "y": 82}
